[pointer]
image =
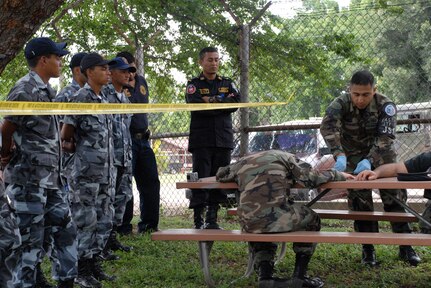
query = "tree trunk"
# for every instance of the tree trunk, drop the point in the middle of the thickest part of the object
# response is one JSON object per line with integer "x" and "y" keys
{"x": 19, "y": 20}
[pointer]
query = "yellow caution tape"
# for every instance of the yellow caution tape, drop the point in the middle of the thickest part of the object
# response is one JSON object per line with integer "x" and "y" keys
{"x": 60, "y": 108}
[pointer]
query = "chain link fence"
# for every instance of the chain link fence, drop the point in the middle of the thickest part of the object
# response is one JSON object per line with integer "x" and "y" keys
{"x": 305, "y": 61}
{"x": 390, "y": 42}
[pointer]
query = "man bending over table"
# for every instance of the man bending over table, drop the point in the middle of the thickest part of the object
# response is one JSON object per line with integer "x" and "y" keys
{"x": 264, "y": 180}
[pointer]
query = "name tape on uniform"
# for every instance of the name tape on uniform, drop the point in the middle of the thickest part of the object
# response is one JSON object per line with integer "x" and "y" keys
{"x": 60, "y": 108}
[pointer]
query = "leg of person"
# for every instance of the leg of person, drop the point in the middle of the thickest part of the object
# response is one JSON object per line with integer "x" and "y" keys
{"x": 148, "y": 184}
{"x": 362, "y": 200}
{"x": 220, "y": 157}
{"x": 406, "y": 252}
{"x": 126, "y": 228}
{"x": 64, "y": 234}
{"x": 198, "y": 200}
{"x": 29, "y": 204}
{"x": 83, "y": 206}
{"x": 10, "y": 242}
{"x": 427, "y": 213}
{"x": 123, "y": 193}
{"x": 105, "y": 216}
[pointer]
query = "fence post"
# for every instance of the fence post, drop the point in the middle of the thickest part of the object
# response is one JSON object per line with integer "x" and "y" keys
{"x": 244, "y": 82}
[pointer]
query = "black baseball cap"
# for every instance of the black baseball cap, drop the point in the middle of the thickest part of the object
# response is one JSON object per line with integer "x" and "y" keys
{"x": 44, "y": 46}
{"x": 94, "y": 59}
{"x": 121, "y": 65}
{"x": 76, "y": 59}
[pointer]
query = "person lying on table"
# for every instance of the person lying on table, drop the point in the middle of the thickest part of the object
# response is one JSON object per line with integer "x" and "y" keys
{"x": 419, "y": 163}
{"x": 264, "y": 180}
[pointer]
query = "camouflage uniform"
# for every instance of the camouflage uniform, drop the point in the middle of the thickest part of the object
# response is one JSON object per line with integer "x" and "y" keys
{"x": 264, "y": 180}
{"x": 365, "y": 134}
{"x": 122, "y": 155}
{"x": 35, "y": 187}
{"x": 65, "y": 95}
{"x": 91, "y": 179}
{"x": 10, "y": 239}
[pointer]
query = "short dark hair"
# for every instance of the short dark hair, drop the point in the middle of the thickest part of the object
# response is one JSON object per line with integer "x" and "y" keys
{"x": 363, "y": 77}
{"x": 129, "y": 56}
{"x": 33, "y": 61}
{"x": 206, "y": 50}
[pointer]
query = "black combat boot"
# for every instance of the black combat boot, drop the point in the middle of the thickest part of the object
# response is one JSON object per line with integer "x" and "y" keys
{"x": 197, "y": 217}
{"x": 98, "y": 273}
{"x": 41, "y": 281}
{"x": 211, "y": 217}
{"x": 369, "y": 255}
{"x": 85, "y": 277}
{"x": 115, "y": 244}
{"x": 409, "y": 255}
{"x": 301, "y": 265}
{"x": 65, "y": 283}
{"x": 266, "y": 279}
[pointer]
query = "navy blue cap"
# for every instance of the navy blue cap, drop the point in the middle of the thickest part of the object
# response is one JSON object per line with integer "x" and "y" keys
{"x": 76, "y": 59}
{"x": 121, "y": 65}
{"x": 44, "y": 46}
{"x": 93, "y": 59}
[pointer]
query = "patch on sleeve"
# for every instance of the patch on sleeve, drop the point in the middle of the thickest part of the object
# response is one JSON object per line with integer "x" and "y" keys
{"x": 191, "y": 89}
{"x": 390, "y": 109}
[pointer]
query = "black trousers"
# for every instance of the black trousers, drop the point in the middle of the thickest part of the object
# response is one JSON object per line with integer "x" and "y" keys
{"x": 206, "y": 162}
{"x": 148, "y": 184}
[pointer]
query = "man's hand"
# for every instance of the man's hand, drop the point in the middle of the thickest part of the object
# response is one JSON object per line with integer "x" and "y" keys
{"x": 341, "y": 163}
{"x": 362, "y": 165}
{"x": 366, "y": 175}
{"x": 68, "y": 145}
{"x": 348, "y": 176}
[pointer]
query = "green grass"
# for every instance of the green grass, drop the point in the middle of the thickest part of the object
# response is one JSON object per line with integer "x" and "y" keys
{"x": 176, "y": 264}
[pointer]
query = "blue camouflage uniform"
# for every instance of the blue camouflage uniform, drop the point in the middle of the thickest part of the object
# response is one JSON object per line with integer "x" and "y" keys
{"x": 122, "y": 155}
{"x": 92, "y": 192}
{"x": 10, "y": 240}
{"x": 365, "y": 134}
{"x": 35, "y": 187}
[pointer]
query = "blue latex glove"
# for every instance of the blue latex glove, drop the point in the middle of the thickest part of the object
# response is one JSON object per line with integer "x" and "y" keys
{"x": 341, "y": 163}
{"x": 363, "y": 165}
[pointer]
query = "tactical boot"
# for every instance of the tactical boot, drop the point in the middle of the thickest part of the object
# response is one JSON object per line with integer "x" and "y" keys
{"x": 99, "y": 274}
{"x": 369, "y": 255}
{"x": 409, "y": 255}
{"x": 301, "y": 266}
{"x": 85, "y": 277}
{"x": 266, "y": 280}
{"x": 211, "y": 217}
{"x": 197, "y": 217}
{"x": 41, "y": 281}
{"x": 65, "y": 284}
{"x": 115, "y": 244}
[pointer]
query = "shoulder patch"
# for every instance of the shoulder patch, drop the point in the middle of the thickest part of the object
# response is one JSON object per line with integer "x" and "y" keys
{"x": 142, "y": 90}
{"x": 191, "y": 89}
{"x": 390, "y": 109}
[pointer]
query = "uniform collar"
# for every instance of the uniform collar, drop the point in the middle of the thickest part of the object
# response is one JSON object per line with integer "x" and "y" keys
{"x": 202, "y": 77}
{"x": 42, "y": 85}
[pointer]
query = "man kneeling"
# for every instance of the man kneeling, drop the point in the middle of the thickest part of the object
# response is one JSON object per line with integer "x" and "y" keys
{"x": 264, "y": 180}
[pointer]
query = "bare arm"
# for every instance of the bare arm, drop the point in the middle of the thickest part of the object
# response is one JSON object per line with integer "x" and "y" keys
{"x": 386, "y": 170}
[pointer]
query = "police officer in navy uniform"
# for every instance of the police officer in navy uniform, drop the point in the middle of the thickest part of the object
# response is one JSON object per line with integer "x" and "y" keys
{"x": 211, "y": 133}
{"x": 144, "y": 163}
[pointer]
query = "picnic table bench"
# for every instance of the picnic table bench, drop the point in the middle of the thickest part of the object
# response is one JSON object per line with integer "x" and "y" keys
{"x": 205, "y": 238}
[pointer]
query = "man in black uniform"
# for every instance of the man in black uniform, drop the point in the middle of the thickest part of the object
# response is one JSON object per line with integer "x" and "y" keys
{"x": 211, "y": 134}
{"x": 144, "y": 163}
{"x": 417, "y": 164}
